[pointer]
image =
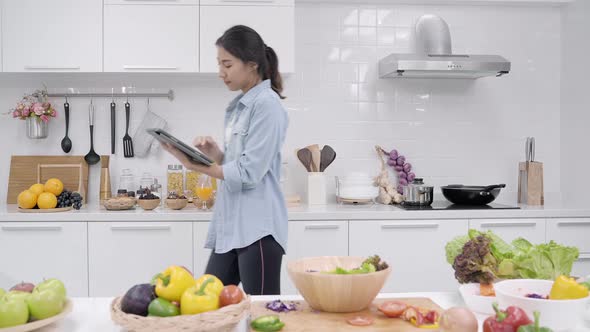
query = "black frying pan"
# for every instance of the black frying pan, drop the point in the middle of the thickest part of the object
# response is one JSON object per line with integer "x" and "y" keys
{"x": 471, "y": 195}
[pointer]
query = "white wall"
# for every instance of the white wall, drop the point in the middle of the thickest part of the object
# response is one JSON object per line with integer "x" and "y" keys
{"x": 575, "y": 106}
{"x": 452, "y": 131}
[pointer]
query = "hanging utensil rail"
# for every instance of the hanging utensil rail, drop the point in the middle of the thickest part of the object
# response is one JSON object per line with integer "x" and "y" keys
{"x": 169, "y": 95}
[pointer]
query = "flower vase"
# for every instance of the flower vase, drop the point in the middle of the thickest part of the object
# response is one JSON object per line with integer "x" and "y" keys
{"x": 36, "y": 128}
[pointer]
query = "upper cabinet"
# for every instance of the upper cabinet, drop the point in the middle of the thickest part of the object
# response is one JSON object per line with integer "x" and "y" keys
{"x": 55, "y": 36}
{"x": 151, "y": 36}
{"x": 272, "y": 19}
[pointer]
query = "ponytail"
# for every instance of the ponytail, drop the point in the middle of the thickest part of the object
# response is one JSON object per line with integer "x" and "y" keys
{"x": 272, "y": 71}
{"x": 246, "y": 44}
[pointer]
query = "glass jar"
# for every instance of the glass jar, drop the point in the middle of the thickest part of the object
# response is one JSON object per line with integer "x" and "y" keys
{"x": 127, "y": 180}
{"x": 175, "y": 179}
{"x": 192, "y": 179}
{"x": 156, "y": 189}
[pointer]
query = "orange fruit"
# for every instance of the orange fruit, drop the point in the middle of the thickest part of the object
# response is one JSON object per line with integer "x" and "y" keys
{"x": 37, "y": 188}
{"x": 54, "y": 186}
{"x": 46, "y": 200}
{"x": 27, "y": 199}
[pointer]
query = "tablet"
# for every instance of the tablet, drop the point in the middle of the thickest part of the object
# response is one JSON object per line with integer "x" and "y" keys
{"x": 193, "y": 154}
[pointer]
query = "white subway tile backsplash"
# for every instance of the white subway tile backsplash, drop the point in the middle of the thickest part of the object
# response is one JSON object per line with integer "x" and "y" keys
{"x": 367, "y": 36}
{"x": 368, "y": 17}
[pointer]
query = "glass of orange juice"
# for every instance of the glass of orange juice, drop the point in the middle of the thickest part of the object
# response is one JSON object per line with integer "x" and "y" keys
{"x": 204, "y": 190}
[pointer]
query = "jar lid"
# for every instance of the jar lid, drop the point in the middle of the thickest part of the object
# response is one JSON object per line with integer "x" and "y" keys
{"x": 175, "y": 167}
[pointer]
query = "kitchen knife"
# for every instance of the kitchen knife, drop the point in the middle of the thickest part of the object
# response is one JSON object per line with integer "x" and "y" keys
{"x": 113, "y": 127}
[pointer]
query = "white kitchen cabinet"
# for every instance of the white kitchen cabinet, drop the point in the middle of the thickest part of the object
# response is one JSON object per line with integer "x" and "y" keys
{"x": 152, "y": 2}
{"x": 151, "y": 38}
{"x": 572, "y": 232}
{"x": 313, "y": 238}
{"x": 33, "y": 251}
{"x": 275, "y": 24}
{"x": 201, "y": 254}
{"x": 509, "y": 229}
{"x": 415, "y": 250}
{"x": 249, "y": 2}
{"x": 123, "y": 254}
{"x": 54, "y": 36}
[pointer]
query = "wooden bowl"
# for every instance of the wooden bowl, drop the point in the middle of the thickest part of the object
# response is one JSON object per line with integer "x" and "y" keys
{"x": 176, "y": 203}
{"x": 335, "y": 292}
{"x": 119, "y": 203}
{"x": 148, "y": 204}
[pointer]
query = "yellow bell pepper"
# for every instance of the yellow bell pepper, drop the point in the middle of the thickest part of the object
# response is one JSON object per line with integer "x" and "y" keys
{"x": 215, "y": 286}
{"x": 171, "y": 284}
{"x": 196, "y": 300}
{"x": 566, "y": 288}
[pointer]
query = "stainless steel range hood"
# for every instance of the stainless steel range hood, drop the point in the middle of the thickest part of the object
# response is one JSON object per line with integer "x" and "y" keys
{"x": 434, "y": 58}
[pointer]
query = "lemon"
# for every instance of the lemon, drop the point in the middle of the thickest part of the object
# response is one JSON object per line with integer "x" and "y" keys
{"x": 37, "y": 188}
{"x": 27, "y": 199}
{"x": 47, "y": 200}
{"x": 54, "y": 186}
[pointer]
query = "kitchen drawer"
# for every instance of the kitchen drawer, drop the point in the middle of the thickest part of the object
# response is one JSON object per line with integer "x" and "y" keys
{"x": 571, "y": 232}
{"x": 415, "y": 250}
{"x": 151, "y": 2}
{"x": 313, "y": 238}
{"x": 33, "y": 251}
{"x": 509, "y": 229}
{"x": 147, "y": 38}
{"x": 201, "y": 256}
{"x": 123, "y": 254}
{"x": 581, "y": 267}
{"x": 249, "y": 2}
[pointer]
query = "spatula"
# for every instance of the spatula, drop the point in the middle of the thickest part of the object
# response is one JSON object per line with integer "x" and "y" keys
{"x": 127, "y": 142}
{"x": 327, "y": 157}
{"x": 304, "y": 156}
{"x": 315, "y": 157}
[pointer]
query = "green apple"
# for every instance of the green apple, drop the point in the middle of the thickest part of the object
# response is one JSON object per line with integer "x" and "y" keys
{"x": 53, "y": 284}
{"x": 18, "y": 295}
{"x": 45, "y": 303}
{"x": 2, "y": 292}
{"x": 13, "y": 312}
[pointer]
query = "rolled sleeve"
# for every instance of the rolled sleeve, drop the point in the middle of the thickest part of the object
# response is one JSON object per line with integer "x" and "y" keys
{"x": 265, "y": 137}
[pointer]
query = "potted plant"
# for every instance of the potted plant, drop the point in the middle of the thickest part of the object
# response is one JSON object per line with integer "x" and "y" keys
{"x": 36, "y": 110}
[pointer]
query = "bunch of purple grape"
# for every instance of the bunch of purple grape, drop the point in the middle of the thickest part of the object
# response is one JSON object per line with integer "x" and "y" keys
{"x": 68, "y": 198}
{"x": 403, "y": 169}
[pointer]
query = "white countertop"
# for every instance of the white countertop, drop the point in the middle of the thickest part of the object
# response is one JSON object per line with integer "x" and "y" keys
{"x": 93, "y": 314}
{"x": 302, "y": 213}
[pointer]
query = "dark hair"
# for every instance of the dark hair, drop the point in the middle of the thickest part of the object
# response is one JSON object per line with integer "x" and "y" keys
{"x": 246, "y": 44}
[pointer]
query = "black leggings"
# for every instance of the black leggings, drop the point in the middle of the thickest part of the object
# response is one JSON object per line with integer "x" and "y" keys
{"x": 257, "y": 266}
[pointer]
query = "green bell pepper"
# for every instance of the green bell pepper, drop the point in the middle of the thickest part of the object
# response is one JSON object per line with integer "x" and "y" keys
{"x": 535, "y": 326}
{"x": 268, "y": 323}
{"x": 160, "y": 307}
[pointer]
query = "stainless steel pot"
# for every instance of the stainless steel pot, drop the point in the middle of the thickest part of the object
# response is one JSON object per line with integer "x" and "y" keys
{"x": 417, "y": 193}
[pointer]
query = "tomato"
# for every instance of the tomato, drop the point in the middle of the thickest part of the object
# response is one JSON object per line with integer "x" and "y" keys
{"x": 230, "y": 294}
{"x": 360, "y": 321}
{"x": 393, "y": 309}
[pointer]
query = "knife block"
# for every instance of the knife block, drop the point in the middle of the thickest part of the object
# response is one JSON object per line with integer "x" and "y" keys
{"x": 530, "y": 183}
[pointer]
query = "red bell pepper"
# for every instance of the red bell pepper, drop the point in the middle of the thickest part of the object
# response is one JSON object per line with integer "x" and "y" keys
{"x": 506, "y": 321}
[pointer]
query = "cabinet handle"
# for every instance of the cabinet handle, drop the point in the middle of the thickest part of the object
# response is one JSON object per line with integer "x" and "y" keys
{"x": 508, "y": 224}
{"x": 322, "y": 226}
{"x": 31, "y": 228}
{"x": 52, "y": 67}
{"x": 129, "y": 67}
{"x": 141, "y": 228}
{"x": 584, "y": 257}
{"x": 152, "y": 0}
{"x": 573, "y": 223}
{"x": 409, "y": 226}
{"x": 248, "y": 1}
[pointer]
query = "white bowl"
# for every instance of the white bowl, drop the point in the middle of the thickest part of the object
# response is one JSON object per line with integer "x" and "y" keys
{"x": 558, "y": 315}
{"x": 475, "y": 302}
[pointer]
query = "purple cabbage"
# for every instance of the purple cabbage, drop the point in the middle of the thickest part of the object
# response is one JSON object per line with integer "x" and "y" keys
{"x": 280, "y": 306}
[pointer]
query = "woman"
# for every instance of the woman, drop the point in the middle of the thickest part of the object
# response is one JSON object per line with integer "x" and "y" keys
{"x": 249, "y": 228}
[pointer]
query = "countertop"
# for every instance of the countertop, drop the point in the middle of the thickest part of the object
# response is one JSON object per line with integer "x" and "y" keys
{"x": 93, "y": 314}
{"x": 331, "y": 211}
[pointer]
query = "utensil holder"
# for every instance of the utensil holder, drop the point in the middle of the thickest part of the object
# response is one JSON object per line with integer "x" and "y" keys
{"x": 316, "y": 188}
{"x": 530, "y": 183}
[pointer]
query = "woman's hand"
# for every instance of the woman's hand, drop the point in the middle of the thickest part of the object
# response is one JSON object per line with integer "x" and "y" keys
{"x": 214, "y": 170}
{"x": 209, "y": 147}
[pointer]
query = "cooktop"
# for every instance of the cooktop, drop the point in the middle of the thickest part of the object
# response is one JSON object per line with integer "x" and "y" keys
{"x": 446, "y": 205}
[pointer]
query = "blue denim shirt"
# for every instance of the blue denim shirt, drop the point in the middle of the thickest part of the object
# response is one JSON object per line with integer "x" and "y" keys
{"x": 249, "y": 203}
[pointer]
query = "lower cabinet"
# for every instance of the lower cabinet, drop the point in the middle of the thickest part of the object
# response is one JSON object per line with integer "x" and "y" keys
{"x": 509, "y": 229}
{"x": 32, "y": 252}
{"x": 313, "y": 238}
{"x": 415, "y": 250}
{"x": 123, "y": 254}
{"x": 201, "y": 254}
{"x": 572, "y": 232}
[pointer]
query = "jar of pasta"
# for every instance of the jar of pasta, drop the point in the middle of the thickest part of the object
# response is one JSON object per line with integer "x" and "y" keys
{"x": 192, "y": 178}
{"x": 175, "y": 179}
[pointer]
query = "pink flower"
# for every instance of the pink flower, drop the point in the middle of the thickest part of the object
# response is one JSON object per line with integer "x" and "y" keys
{"x": 26, "y": 112}
{"x": 45, "y": 118}
{"x": 16, "y": 114}
{"x": 38, "y": 109}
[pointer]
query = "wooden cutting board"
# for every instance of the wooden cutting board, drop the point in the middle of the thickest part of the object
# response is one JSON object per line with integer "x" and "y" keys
{"x": 304, "y": 319}
{"x": 28, "y": 170}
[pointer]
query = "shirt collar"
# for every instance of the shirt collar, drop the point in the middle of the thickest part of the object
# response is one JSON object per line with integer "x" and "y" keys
{"x": 247, "y": 98}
